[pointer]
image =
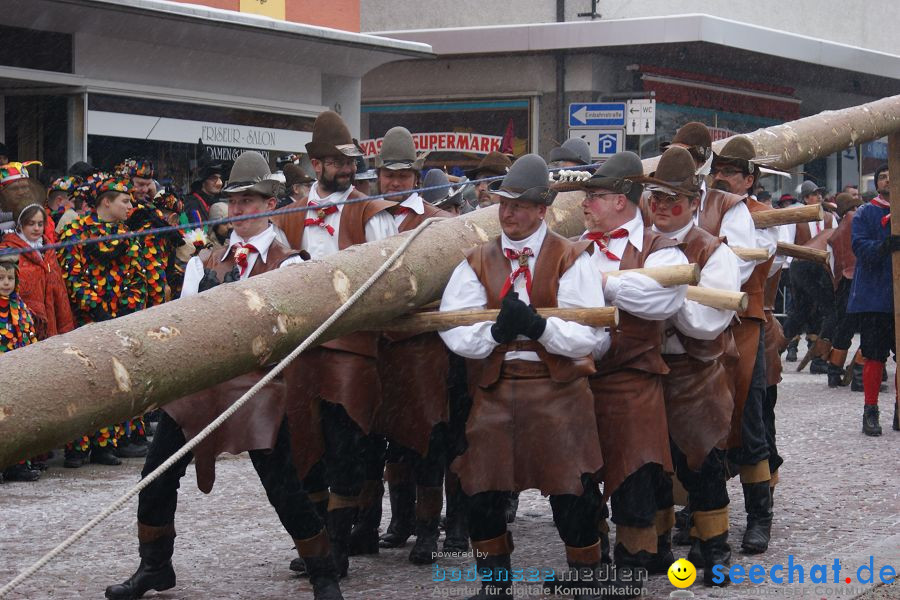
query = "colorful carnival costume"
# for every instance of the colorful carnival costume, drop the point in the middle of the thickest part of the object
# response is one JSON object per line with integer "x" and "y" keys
{"x": 104, "y": 280}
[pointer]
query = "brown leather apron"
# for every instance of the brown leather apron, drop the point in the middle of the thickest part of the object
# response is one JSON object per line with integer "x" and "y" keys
{"x": 255, "y": 425}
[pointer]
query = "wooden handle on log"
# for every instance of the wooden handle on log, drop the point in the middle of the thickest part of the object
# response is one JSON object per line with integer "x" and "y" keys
{"x": 667, "y": 276}
{"x": 607, "y": 316}
{"x": 785, "y": 216}
{"x": 721, "y": 299}
{"x": 804, "y": 253}
{"x": 754, "y": 254}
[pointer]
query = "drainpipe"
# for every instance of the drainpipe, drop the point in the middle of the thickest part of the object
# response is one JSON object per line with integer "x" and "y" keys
{"x": 561, "y": 122}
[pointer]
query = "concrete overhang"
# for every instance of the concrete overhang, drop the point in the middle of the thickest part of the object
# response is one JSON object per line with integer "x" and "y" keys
{"x": 586, "y": 35}
{"x": 176, "y": 24}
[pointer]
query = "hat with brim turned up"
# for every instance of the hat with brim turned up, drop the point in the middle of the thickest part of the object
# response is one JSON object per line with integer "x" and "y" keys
{"x": 527, "y": 180}
{"x": 493, "y": 164}
{"x": 675, "y": 173}
{"x": 251, "y": 173}
{"x": 330, "y": 137}
{"x": 617, "y": 175}
{"x": 398, "y": 151}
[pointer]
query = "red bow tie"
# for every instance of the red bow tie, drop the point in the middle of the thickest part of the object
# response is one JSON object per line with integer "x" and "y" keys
{"x": 602, "y": 240}
{"x": 523, "y": 269}
{"x": 320, "y": 218}
{"x": 242, "y": 255}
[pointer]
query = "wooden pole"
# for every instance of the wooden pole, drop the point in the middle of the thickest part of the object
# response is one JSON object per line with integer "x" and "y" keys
{"x": 754, "y": 254}
{"x": 721, "y": 299}
{"x": 894, "y": 169}
{"x": 607, "y": 316}
{"x": 786, "y": 216}
{"x": 667, "y": 276}
{"x": 804, "y": 253}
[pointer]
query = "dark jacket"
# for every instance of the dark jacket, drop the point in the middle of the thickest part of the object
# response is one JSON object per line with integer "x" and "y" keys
{"x": 872, "y": 289}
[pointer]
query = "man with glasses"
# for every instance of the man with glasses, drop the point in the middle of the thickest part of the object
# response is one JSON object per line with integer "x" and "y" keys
{"x": 698, "y": 392}
{"x": 333, "y": 390}
{"x": 752, "y": 441}
{"x": 627, "y": 388}
{"x": 493, "y": 164}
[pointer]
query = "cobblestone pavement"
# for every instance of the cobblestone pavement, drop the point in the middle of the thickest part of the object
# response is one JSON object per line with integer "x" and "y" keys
{"x": 839, "y": 498}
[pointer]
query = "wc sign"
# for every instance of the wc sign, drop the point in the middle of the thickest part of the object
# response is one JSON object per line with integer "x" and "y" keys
{"x": 602, "y": 142}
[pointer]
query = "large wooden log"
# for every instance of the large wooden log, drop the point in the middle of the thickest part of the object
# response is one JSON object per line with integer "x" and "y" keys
{"x": 107, "y": 372}
{"x": 786, "y": 216}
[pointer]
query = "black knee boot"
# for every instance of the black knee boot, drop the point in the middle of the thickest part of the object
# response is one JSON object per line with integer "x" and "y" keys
{"x": 155, "y": 547}
{"x": 402, "y": 492}
{"x": 494, "y": 567}
{"x": 715, "y": 551}
{"x": 323, "y": 574}
{"x": 758, "y": 504}
{"x": 512, "y": 506}
{"x": 364, "y": 536}
{"x": 297, "y": 564}
{"x": 457, "y": 528}
{"x": 428, "y": 517}
{"x": 340, "y": 522}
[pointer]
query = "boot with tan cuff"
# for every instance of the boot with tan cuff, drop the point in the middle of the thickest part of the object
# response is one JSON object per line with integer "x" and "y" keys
{"x": 711, "y": 528}
{"x": 364, "y": 535}
{"x": 341, "y": 515}
{"x": 429, "y": 501}
{"x": 320, "y": 501}
{"x": 758, "y": 504}
{"x": 323, "y": 574}
{"x": 584, "y": 564}
{"x": 155, "y": 547}
{"x": 494, "y": 560}
{"x": 836, "y": 360}
{"x": 402, "y": 493}
{"x": 635, "y": 551}
{"x": 663, "y": 558}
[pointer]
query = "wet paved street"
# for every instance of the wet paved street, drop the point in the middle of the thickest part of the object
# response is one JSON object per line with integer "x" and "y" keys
{"x": 839, "y": 498}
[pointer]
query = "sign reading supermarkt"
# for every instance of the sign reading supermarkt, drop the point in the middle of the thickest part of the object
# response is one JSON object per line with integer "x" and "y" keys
{"x": 446, "y": 141}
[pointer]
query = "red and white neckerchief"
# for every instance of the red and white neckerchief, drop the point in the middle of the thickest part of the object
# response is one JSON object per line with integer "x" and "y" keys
{"x": 320, "y": 218}
{"x": 401, "y": 210}
{"x": 523, "y": 269}
{"x": 602, "y": 240}
{"x": 882, "y": 203}
{"x": 242, "y": 255}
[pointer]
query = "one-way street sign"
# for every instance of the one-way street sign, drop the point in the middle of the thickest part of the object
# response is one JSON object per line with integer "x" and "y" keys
{"x": 604, "y": 114}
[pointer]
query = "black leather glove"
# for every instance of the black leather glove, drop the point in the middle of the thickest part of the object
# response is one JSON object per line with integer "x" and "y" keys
{"x": 138, "y": 219}
{"x": 513, "y": 319}
{"x": 890, "y": 244}
{"x": 94, "y": 253}
{"x": 232, "y": 276}
{"x": 209, "y": 281}
{"x": 536, "y": 325}
{"x": 98, "y": 314}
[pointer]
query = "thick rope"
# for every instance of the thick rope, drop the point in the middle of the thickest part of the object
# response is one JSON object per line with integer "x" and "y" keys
{"x": 221, "y": 418}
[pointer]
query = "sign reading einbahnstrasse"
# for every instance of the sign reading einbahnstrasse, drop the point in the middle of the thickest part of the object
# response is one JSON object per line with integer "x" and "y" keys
{"x": 597, "y": 114}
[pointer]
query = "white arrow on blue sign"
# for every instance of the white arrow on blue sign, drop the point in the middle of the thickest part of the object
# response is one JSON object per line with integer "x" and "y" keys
{"x": 606, "y": 114}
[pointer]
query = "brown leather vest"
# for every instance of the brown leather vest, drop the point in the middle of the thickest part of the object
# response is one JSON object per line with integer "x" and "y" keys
{"x": 802, "y": 236}
{"x": 353, "y": 221}
{"x": 413, "y": 220}
{"x": 636, "y": 342}
{"x": 842, "y": 250}
{"x": 715, "y": 205}
{"x": 277, "y": 254}
{"x": 756, "y": 285}
{"x": 352, "y": 231}
{"x": 698, "y": 246}
{"x": 556, "y": 256}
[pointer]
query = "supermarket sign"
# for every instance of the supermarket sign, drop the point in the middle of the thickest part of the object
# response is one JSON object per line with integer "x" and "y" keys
{"x": 473, "y": 143}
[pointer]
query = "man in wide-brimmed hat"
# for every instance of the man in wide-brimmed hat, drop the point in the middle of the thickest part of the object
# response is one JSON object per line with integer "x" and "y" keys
{"x": 698, "y": 391}
{"x": 413, "y": 373}
{"x": 533, "y": 379}
{"x": 258, "y": 427}
{"x": 752, "y": 439}
{"x": 574, "y": 152}
{"x": 443, "y": 193}
{"x": 494, "y": 164}
{"x": 627, "y": 388}
{"x": 335, "y": 387}
{"x": 205, "y": 189}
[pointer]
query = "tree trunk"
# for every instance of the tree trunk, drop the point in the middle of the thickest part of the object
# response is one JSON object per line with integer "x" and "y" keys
{"x": 55, "y": 390}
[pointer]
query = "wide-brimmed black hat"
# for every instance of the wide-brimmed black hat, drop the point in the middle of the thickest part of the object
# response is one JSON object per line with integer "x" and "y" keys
{"x": 618, "y": 174}
{"x": 528, "y": 180}
{"x": 676, "y": 173}
{"x": 574, "y": 150}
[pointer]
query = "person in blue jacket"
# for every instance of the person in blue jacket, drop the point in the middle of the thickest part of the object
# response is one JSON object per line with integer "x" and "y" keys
{"x": 872, "y": 294}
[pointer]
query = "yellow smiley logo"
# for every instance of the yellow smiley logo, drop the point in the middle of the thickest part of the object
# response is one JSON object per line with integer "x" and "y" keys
{"x": 682, "y": 573}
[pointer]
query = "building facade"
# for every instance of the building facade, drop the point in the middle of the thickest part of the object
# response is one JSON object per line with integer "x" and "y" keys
{"x": 735, "y": 68}
{"x": 100, "y": 80}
